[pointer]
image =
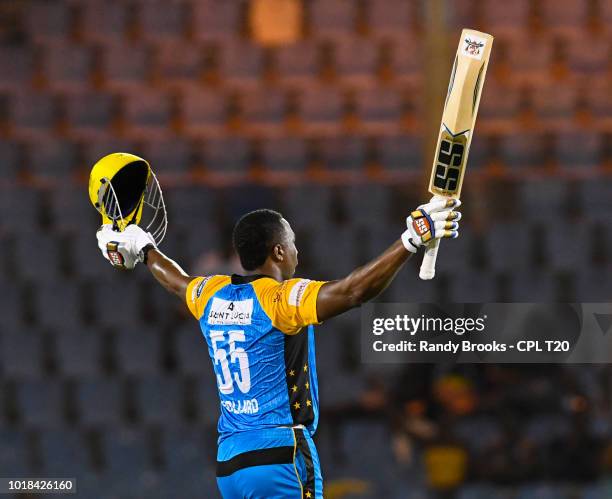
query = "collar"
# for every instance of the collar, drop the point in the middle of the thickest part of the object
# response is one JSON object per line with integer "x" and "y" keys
{"x": 245, "y": 279}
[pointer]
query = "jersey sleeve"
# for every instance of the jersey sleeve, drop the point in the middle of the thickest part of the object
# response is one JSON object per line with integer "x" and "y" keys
{"x": 291, "y": 304}
{"x": 199, "y": 291}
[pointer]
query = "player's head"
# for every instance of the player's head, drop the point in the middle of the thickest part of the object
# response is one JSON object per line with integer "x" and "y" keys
{"x": 264, "y": 236}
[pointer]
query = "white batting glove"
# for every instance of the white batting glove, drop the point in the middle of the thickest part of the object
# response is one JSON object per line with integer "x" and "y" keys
{"x": 434, "y": 220}
{"x": 123, "y": 249}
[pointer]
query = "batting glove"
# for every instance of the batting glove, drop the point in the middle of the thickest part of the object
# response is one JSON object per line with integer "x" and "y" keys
{"x": 124, "y": 249}
{"x": 434, "y": 220}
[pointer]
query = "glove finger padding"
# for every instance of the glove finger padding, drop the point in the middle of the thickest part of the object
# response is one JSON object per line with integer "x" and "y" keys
{"x": 446, "y": 215}
{"x": 445, "y": 229}
{"x": 437, "y": 205}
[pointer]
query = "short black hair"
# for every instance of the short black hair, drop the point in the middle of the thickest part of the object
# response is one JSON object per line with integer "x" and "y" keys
{"x": 255, "y": 234}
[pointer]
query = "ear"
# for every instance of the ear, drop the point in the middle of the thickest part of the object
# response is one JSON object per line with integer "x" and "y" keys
{"x": 278, "y": 252}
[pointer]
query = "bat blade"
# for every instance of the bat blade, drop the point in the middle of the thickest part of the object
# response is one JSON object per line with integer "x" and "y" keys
{"x": 458, "y": 120}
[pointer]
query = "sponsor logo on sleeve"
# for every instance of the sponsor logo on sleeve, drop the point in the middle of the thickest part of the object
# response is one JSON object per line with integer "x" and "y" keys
{"x": 197, "y": 290}
{"x": 297, "y": 292}
{"x": 228, "y": 312}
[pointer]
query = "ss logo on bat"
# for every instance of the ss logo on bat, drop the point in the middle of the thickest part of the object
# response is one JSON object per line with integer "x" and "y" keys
{"x": 448, "y": 165}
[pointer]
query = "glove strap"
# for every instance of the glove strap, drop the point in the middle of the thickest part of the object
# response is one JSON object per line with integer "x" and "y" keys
{"x": 144, "y": 252}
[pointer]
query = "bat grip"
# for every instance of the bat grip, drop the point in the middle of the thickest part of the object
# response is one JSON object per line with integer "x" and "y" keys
{"x": 428, "y": 266}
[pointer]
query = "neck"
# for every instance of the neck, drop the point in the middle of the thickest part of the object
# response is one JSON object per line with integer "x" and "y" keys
{"x": 268, "y": 269}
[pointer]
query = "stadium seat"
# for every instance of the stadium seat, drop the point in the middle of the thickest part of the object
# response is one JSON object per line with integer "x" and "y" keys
{"x": 230, "y": 154}
{"x": 378, "y": 462}
{"x": 188, "y": 470}
{"x": 263, "y": 110}
{"x": 592, "y": 63}
{"x": 511, "y": 22}
{"x": 599, "y": 103}
{"x": 592, "y": 284}
{"x": 15, "y": 451}
{"x": 463, "y": 13}
{"x": 507, "y": 246}
{"x": 87, "y": 260}
{"x": 95, "y": 148}
{"x": 216, "y": 21}
{"x": 534, "y": 69}
{"x": 159, "y": 401}
{"x": 51, "y": 301}
{"x": 295, "y": 198}
{"x": 203, "y": 112}
{"x": 564, "y": 243}
{"x": 90, "y": 114}
{"x": 33, "y": 114}
{"x": 21, "y": 351}
{"x": 169, "y": 156}
{"x": 126, "y": 66}
{"x": 240, "y": 64}
{"x": 41, "y": 404}
{"x": 44, "y": 249}
{"x": 147, "y": 114}
{"x": 392, "y": 18}
{"x": 99, "y": 402}
{"x": 11, "y": 306}
{"x": 343, "y": 152}
{"x": 566, "y": 17}
{"x": 578, "y": 149}
{"x": 65, "y": 453}
{"x": 67, "y": 67}
{"x": 79, "y": 352}
{"x": 52, "y": 158}
{"x": 400, "y": 152}
{"x": 379, "y": 108}
{"x": 523, "y": 150}
{"x": 472, "y": 286}
{"x": 532, "y": 285}
{"x": 542, "y": 200}
{"x": 18, "y": 67}
{"x": 321, "y": 109}
{"x": 160, "y": 21}
{"x": 105, "y": 23}
{"x": 555, "y": 105}
{"x": 406, "y": 62}
{"x": 20, "y": 209}
{"x": 595, "y": 199}
{"x": 500, "y": 107}
{"x": 137, "y": 353}
{"x": 192, "y": 204}
{"x": 207, "y": 397}
{"x": 356, "y": 60}
{"x": 285, "y": 154}
{"x": 128, "y": 461}
{"x": 12, "y": 160}
{"x": 69, "y": 210}
{"x": 48, "y": 21}
{"x": 178, "y": 64}
{"x": 332, "y": 18}
{"x": 192, "y": 351}
{"x": 116, "y": 293}
{"x": 297, "y": 63}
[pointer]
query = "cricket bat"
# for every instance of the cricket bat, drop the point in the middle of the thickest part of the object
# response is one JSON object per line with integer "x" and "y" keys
{"x": 458, "y": 119}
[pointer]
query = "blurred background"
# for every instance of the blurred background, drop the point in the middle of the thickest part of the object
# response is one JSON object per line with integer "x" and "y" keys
{"x": 326, "y": 110}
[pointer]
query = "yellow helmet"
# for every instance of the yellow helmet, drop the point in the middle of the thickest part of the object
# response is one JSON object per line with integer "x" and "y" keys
{"x": 124, "y": 189}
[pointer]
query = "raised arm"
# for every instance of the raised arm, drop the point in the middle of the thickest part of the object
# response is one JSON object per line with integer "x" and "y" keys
{"x": 431, "y": 221}
{"x": 167, "y": 272}
{"x": 125, "y": 249}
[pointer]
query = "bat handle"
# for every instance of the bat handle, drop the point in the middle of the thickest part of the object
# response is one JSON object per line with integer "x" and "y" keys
{"x": 428, "y": 267}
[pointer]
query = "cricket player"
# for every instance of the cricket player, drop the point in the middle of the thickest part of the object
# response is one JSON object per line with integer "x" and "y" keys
{"x": 259, "y": 331}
